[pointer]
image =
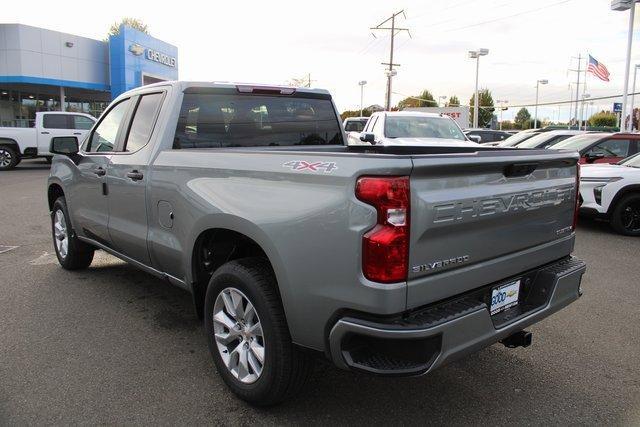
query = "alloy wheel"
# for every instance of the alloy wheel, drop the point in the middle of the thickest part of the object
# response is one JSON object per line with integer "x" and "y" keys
{"x": 60, "y": 233}
{"x": 631, "y": 217}
{"x": 5, "y": 157}
{"x": 238, "y": 335}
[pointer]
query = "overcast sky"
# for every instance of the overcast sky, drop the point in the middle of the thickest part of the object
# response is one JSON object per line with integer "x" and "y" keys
{"x": 272, "y": 42}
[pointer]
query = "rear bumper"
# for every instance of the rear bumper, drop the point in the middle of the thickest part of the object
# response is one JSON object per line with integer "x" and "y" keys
{"x": 425, "y": 339}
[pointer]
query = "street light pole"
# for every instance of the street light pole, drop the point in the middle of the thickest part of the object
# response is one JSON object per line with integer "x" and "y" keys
{"x": 624, "y": 5}
{"x": 535, "y": 115}
{"x": 476, "y": 54}
{"x": 502, "y": 102}
{"x": 361, "y": 83}
{"x": 633, "y": 92}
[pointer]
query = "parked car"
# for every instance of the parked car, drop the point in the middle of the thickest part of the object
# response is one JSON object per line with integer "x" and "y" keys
{"x": 19, "y": 143}
{"x": 612, "y": 192}
{"x": 487, "y": 135}
{"x": 390, "y": 260}
{"x": 548, "y": 139}
{"x": 414, "y": 128}
{"x": 354, "y": 124}
{"x": 602, "y": 147}
{"x": 516, "y": 139}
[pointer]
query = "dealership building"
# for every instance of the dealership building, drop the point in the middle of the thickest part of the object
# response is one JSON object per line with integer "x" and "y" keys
{"x": 44, "y": 70}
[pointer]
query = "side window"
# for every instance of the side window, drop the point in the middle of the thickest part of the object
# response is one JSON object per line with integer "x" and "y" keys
{"x": 377, "y": 126}
{"x": 612, "y": 148}
{"x": 81, "y": 122}
{"x": 103, "y": 138}
{"x": 370, "y": 124}
{"x": 143, "y": 122}
{"x": 55, "y": 121}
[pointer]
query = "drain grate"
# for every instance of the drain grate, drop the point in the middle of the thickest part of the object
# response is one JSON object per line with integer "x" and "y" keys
{"x": 4, "y": 248}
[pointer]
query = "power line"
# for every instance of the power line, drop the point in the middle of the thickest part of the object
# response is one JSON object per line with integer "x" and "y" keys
{"x": 477, "y": 24}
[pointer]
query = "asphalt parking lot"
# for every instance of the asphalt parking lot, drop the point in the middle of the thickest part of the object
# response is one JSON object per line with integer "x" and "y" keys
{"x": 115, "y": 345}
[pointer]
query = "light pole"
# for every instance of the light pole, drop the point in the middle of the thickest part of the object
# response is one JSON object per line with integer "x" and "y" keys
{"x": 633, "y": 92}
{"x": 361, "y": 83}
{"x": 535, "y": 115}
{"x": 631, "y": 6}
{"x": 476, "y": 54}
{"x": 502, "y": 108}
{"x": 442, "y": 98}
{"x": 584, "y": 113}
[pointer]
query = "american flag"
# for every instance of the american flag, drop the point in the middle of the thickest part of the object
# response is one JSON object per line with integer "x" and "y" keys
{"x": 598, "y": 69}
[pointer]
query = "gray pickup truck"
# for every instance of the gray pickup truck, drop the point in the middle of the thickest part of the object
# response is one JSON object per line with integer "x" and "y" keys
{"x": 386, "y": 260}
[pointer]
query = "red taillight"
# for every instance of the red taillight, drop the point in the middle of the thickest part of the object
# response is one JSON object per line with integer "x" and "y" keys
{"x": 385, "y": 248}
{"x": 577, "y": 204}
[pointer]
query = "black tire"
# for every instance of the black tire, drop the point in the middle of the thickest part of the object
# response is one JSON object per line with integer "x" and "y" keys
{"x": 285, "y": 368}
{"x": 9, "y": 157}
{"x": 625, "y": 218}
{"x": 78, "y": 254}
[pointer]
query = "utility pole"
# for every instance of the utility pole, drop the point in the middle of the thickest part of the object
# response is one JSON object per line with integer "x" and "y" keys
{"x": 390, "y": 72}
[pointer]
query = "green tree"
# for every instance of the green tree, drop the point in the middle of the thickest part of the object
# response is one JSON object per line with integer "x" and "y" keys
{"x": 485, "y": 113}
{"x": 134, "y": 23}
{"x": 424, "y": 99}
{"x": 523, "y": 117}
{"x": 453, "y": 102}
{"x": 603, "y": 119}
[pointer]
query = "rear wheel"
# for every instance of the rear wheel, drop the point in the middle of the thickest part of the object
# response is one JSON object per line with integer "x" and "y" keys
{"x": 72, "y": 253}
{"x": 248, "y": 335}
{"x": 9, "y": 157}
{"x": 625, "y": 218}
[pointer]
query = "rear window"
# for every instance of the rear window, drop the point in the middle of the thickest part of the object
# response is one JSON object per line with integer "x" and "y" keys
{"x": 422, "y": 127}
{"x": 355, "y": 125}
{"x": 211, "y": 120}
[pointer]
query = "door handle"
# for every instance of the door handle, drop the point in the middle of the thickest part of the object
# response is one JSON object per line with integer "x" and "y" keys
{"x": 135, "y": 175}
{"x": 100, "y": 172}
{"x": 44, "y": 133}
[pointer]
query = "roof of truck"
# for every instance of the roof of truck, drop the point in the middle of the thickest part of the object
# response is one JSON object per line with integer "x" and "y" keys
{"x": 182, "y": 85}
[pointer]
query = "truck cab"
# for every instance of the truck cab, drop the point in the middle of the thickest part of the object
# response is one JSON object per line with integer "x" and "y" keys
{"x": 18, "y": 143}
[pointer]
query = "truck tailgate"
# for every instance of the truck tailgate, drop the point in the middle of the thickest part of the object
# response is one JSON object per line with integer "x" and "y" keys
{"x": 469, "y": 210}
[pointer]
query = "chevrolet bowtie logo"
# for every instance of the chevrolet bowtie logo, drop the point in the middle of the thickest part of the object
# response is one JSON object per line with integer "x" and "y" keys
{"x": 136, "y": 49}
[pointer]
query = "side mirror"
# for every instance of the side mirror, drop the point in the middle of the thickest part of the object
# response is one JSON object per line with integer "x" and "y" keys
{"x": 593, "y": 156}
{"x": 368, "y": 137}
{"x": 65, "y": 145}
{"x": 475, "y": 138}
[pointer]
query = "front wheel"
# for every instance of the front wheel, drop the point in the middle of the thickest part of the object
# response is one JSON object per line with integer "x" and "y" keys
{"x": 248, "y": 335}
{"x": 9, "y": 158}
{"x": 72, "y": 253}
{"x": 625, "y": 218}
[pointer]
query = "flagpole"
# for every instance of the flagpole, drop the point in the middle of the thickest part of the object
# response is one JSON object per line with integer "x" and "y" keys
{"x": 584, "y": 91}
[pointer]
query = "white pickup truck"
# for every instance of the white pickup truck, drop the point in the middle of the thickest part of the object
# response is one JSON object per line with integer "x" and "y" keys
{"x": 18, "y": 143}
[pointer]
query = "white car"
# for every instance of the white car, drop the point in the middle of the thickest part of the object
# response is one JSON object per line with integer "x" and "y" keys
{"x": 412, "y": 128}
{"x": 18, "y": 143}
{"x": 613, "y": 192}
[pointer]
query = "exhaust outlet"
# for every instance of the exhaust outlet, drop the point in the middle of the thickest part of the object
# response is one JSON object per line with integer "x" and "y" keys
{"x": 518, "y": 339}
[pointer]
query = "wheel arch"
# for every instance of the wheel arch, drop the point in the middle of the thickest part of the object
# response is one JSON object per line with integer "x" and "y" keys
{"x": 10, "y": 142}
{"x": 226, "y": 243}
{"x": 629, "y": 189}
{"x": 54, "y": 190}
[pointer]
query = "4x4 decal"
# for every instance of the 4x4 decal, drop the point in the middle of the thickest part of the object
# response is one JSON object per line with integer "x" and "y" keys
{"x": 302, "y": 165}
